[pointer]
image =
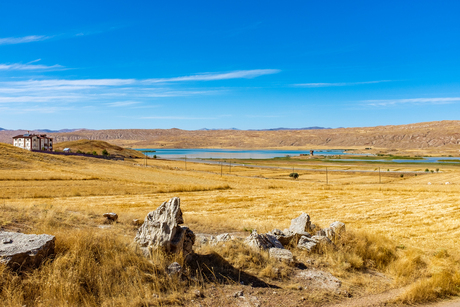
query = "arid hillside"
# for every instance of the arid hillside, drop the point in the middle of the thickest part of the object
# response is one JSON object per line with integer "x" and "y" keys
{"x": 88, "y": 146}
{"x": 421, "y": 136}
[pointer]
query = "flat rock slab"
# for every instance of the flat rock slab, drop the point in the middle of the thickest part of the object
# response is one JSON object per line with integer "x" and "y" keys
{"x": 281, "y": 254}
{"x": 18, "y": 250}
{"x": 316, "y": 279}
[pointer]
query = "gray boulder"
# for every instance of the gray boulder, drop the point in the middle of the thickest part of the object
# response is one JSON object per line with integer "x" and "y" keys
{"x": 18, "y": 250}
{"x": 326, "y": 232}
{"x": 307, "y": 244}
{"x": 262, "y": 241}
{"x": 281, "y": 254}
{"x": 161, "y": 230}
{"x": 334, "y": 230}
{"x": 338, "y": 227}
{"x": 312, "y": 244}
{"x": 300, "y": 225}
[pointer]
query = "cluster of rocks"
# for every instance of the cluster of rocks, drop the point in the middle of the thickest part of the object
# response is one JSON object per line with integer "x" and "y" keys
{"x": 298, "y": 235}
{"x": 161, "y": 229}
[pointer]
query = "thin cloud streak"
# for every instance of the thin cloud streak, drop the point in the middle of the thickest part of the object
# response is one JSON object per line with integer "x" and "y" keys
{"x": 122, "y": 103}
{"x": 178, "y": 117}
{"x": 339, "y": 83}
{"x": 24, "y": 39}
{"x": 239, "y": 74}
{"x": 28, "y": 66}
{"x": 417, "y": 101}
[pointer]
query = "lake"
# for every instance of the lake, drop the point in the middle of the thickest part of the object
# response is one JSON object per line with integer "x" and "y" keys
{"x": 205, "y": 153}
{"x": 423, "y": 160}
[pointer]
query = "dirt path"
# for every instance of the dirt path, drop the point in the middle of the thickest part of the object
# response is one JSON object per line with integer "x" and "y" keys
{"x": 382, "y": 298}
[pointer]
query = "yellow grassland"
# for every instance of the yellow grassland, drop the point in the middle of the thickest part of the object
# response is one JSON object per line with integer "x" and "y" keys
{"x": 402, "y": 227}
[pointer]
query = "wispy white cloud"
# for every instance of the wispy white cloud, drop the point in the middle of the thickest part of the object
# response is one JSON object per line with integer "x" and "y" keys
{"x": 262, "y": 116}
{"x": 416, "y": 101}
{"x": 178, "y": 117}
{"x": 239, "y": 74}
{"x": 122, "y": 103}
{"x": 18, "y": 66}
{"x": 339, "y": 83}
{"x": 46, "y": 98}
{"x": 23, "y": 39}
{"x": 104, "y": 93}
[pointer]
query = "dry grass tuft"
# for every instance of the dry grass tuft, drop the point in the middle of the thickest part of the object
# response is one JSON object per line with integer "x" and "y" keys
{"x": 92, "y": 270}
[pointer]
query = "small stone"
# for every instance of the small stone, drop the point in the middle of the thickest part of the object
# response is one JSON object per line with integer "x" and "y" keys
{"x": 224, "y": 237}
{"x": 112, "y": 217}
{"x": 197, "y": 293}
{"x": 174, "y": 268}
{"x": 238, "y": 293}
{"x": 7, "y": 241}
{"x": 138, "y": 222}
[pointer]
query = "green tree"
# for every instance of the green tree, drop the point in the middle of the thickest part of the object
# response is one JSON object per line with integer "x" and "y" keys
{"x": 105, "y": 152}
{"x": 94, "y": 153}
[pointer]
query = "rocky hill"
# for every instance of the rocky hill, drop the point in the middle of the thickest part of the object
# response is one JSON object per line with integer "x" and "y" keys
{"x": 419, "y": 136}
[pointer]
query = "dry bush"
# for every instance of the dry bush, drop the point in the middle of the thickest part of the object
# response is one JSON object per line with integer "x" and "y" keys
{"x": 440, "y": 285}
{"x": 92, "y": 270}
{"x": 244, "y": 258}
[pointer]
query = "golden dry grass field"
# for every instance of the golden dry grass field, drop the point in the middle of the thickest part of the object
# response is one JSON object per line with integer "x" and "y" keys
{"x": 66, "y": 196}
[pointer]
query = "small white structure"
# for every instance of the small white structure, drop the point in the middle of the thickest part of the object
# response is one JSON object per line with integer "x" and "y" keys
{"x": 67, "y": 150}
{"x": 33, "y": 142}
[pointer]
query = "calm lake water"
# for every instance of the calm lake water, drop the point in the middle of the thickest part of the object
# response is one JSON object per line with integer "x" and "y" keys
{"x": 205, "y": 153}
{"x": 424, "y": 160}
{"x": 232, "y": 154}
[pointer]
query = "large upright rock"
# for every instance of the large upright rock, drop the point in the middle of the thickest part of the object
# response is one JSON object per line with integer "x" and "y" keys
{"x": 161, "y": 230}
{"x": 20, "y": 251}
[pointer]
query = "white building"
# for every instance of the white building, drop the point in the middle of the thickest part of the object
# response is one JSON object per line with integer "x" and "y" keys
{"x": 33, "y": 142}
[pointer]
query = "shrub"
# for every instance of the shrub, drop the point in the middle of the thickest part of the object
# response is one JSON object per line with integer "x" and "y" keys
{"x": 294, "y": 175}
{"x": 427, "y": 170}
{"x": 94, "y": 153}
{"x": 105, "y": 152}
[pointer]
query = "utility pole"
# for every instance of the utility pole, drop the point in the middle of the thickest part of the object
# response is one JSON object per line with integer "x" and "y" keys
{"x": 327, "y": 178}
{"x": 380, "y": 178}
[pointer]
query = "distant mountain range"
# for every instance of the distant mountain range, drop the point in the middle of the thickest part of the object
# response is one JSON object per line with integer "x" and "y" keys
{"x": 47, "y": 130}
{"x": 420, "y": 136}
{"x": 271, "y": 129}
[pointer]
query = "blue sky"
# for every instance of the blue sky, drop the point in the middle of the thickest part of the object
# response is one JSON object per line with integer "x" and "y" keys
{"x": 223, "y": 64}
